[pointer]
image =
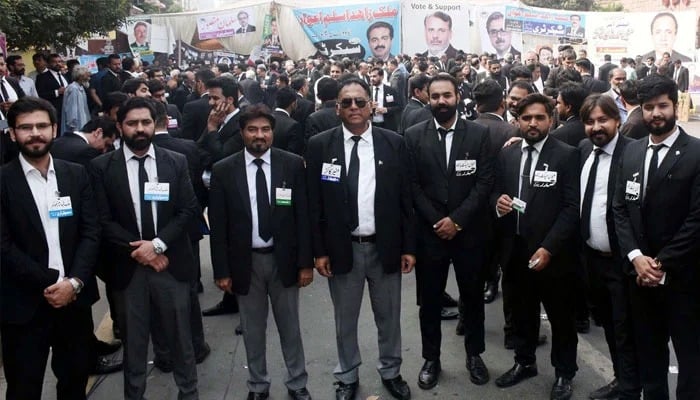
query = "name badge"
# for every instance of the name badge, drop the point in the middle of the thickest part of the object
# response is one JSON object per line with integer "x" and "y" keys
{"x": 60, "y": 207}
{"x": 519, "y": 205}
{"x": 156, "y": 191}
{"x": 283, "y": 197}
{"x": 389, "y": 98}
{"x": 330, "y": 172}
{"x": 465, "y": 167}
{"x": 172, "y": 123}
{"x": 633, "y": 190}
{"x": 544, "y": 179}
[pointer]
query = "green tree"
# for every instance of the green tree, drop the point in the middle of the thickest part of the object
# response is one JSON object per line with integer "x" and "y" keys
{"x": 572, "y": 5}
{"x": 41, "y": 24}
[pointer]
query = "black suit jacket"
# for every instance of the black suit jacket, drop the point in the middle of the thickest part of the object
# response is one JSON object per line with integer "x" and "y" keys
{"x": 216, "y": 145}
{"x": 439, "y": 190}
{"x": 303, "y": 110}
{"x": 194, "y": 118}
{"x": 410, "y": 108}
{"x": 252, "y": 91}
{"x": 15, "y": 85}
{"x": 499, "y": 131}
{"x": 46, "y": 86}
{"x": 179, "y": 97}
{"x": 118, "y": 218}
{"x": 664, "y": 223}
{"x": 571, "y": 132}
{"x": 682, "y": 79}
{"x": 415, "y": 116}
{"x": 249, "y": 28}
{"x": 450, "y": 52}
{"x": 110, "y": 83}
{"x": 288, "y": 134}
{"x": 552, "y": 214}
{"x": 190, "y": 150}
{"x": 595, "y": 85}
{"x": 604, "y": 71}
{"x": 393, "y": 208}
{"x": 71, "y": 147}
{"x": 392, "y": 103}
{"x": 585, "y": 149}
{"x": 322, "y": 120}
{"x": 231, "y": 219}
{"x": 25, "y": 253}
{"x": 634, "y": 127}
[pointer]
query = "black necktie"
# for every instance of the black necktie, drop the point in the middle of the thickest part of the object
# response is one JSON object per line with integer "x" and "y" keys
{"x": 148, "y": 231}
{"x": 376, "y": 94}
{"x": 60, "y": 80}
{"x": 263, "y": 200}
{"x": 353, "y": 183}
{"x": 525, "y": 175}
{"x": 588, "y": 197}
{"x": 654, "y": 162}
{"x": 5, "y": 95}
{"x": 443, "y": 141}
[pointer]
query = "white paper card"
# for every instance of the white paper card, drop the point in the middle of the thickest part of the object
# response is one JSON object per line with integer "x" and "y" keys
{"x": 465, "y": 167}
{"x": 60, "y": 207}
{"x": 330, "y": 172}
{"x": 156, "y": 191}
{"x": 283, "y": 197}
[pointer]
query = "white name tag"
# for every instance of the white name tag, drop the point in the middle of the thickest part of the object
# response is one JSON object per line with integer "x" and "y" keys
{"x": 519, "y": 205}
{"x": 156, "y": 191}
{"x": 389, "y": 98}
{"x": 544, "y": 179}
{"x": 632, "y": 191}
{"x": 330, "y": 172}
{"x": 283, "y": 197}
{"x": 172, "y": 123}
{"x": 60, "y": 207}
{"x": 465, "y": 167}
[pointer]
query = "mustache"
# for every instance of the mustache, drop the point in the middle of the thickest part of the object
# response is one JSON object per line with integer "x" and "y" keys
{"x": 380, "y": 47}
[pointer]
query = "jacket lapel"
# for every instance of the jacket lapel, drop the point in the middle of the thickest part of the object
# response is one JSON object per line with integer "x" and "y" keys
{"x": 120, "y": 178}
{"x": 64, "y": 188}
{"x": 24, "y": 192}
{"x": 436, "y": 145}
{"x": 458, "y": 138}
{"x": 240, "y": 181}
{"x": 277, "y": 171}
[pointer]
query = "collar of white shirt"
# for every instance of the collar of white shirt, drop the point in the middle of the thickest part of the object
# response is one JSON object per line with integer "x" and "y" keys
{"x": 454, "y": 124}
{"x": 128, "y": 154}
{"x": 282, "y": 110}
{"x": 82, "y": 136}
{"x": 538, "y": 146}
{"x": 496, "y": 115}
{"x": 27, "y": 167}
{"x": 366, "y": 135}
{"x": 231, "y": 115}
{"x": 249, "y": 158}
{"x": 669, "y": 141}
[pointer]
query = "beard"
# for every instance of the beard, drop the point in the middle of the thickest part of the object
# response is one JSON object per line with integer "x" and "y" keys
{"x": 443, "y": 112}
{"x": 659, "y": 130}
{"x": 139, "y": 141}
{"x": 534, "y": 135}
{"x": 30, "y": 149}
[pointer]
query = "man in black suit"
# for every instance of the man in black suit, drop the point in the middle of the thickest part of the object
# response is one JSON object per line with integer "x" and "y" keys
{"x": 243, "y": 21}
{"x": 536, "y": 199}
{"x": 569, "y": 100}
{"x": 366, "y": 168}
{"x": 327, "y": 116}
{"x": 147, "y": 245}
{"x": 656, "y": 207}
{"x": 304, "y": 106}
{"x": 607, "y": 283}
{"x": 82, "y": 146}
{"x": 288, "y": 134}
{"x": 10, "y": 89}
{"x": 195, "y": 112}
{"x": 604, "y": 70}
{"x": 593, "y": 85}
{"x": 260, "y": 245}
{"x": 418, "y": 89}
{"x": 634, "y": 127}
{"x": 50, "y": 241}
{"x": 183, "y": 90}
{"x": 111, "y": 81}
{"x": 386, "y": 102}
{"x": 680, "y": 76}
{"x": 450, "y": 163}
{"x": 174, "y": 118}
{"x": 51, "y": 84}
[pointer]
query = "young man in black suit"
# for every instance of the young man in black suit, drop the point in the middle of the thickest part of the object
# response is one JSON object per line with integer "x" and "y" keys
{"x": 325, "y": 117}
{"x": 147, "y": 245}
{"x": 366, "y": 169}
{"x": 195, "y": 112}
{"x": 260, "y": 245}
{"x": 634, "y": 127}
{"x": 288, "y": 134}
{"x": 51, "y": 84}
{"x": 451, "y": 168}
{"x": 418, "y": 88}
{"x": 569, "y": 100}
{"x": 536, "y": 199}
{"x": 656, "y": 207}
{"x": 222, "y": 137}
{"x": 84, "y": 145}
{"x": 386, "y": 102}
{"x": 50, "y": 241}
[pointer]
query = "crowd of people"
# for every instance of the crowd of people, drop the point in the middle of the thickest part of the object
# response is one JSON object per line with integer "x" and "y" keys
{"x": 578, "y": 193}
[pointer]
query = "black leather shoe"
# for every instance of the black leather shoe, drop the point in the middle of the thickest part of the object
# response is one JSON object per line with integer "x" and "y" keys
{"x": 561, "y": 390}
{"x": 105, "y": 366}
{"x": 583, "y": 325}
{"x": 219, "y": 309}
{"x": 105, "y": 349}
{"x": 478, "y": 373}
{"x": 516, "y": 374}
{"x": 164, "y": 366}
{"x": 609, "y": 391}
{"x": 299, "y": 394}
{"x": 459, "y": 330}
{"x": 491, "y": 292}
{"x": 446, "y": 314}
{"x": 258, "y": 396}
{"x": 429, "y": 374}
{"x": 346, "y": 391}
{"x": 397, "y": 387}
{"x": 203, "y": 353}
{"x": 448, "y": 301}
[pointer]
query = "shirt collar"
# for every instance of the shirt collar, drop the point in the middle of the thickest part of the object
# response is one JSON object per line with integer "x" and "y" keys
{"x": 161, "y": 133}
{"x": 82, "y": 136}
{"x": 610, "y": 147}
{"x": 669, "y": 141}
{"x": 366, "y": 135}
{"x": 231, "y": 115}
{"x": 282, "y": 110}
{"x": 452, "y": 128}
{"x": 249, "y": 158}
{"x": 27, "y": 167}
{"x": 495, "y": 115}
{"x": 538, "y": 146}
{"x": 128, "y": 154}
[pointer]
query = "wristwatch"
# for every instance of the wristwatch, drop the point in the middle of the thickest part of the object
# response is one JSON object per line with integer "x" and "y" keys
{"x": 77, "y": 285}
{"x": 457, "y": 227}
{"x": 157, "y": 247}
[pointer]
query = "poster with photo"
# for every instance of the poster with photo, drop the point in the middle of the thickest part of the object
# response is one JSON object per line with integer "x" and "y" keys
{"x": 496, "y": 36}
{"x": 436, "y": 28}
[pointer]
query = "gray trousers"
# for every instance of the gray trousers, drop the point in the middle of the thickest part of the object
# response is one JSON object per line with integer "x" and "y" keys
{"x": 347, "y": 291}
{"x": 254, "y": 307}
{"x": 150, "y": 290}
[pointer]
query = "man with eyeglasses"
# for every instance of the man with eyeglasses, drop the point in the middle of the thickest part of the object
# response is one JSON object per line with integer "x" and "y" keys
{"x": 499, "y": 37}
{"x": 356, "y": 172}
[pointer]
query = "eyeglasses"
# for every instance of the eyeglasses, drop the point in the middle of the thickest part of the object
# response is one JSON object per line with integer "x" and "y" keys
{"x": 42, "y": 126}
{"x": 359, "y": 102}
{"x": 496, "y": 32}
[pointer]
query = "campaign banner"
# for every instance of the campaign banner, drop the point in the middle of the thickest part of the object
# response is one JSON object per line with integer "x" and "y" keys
{"x": 355, "y": 31}
{"x": 435, "y": 28}
{"x": 545, "y": 22}
{"x": 216, "y": 26}
{"x": 89, "y": 61}
{"x": 496, "y": 37}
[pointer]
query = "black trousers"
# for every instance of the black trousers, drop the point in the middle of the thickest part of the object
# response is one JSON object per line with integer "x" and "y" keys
{"x": 68, "y": 333}
{"x": 663, "y": 312}
{"x": 555, "y": 291}
{"x": 609, "y": 295}
{"x": 432, "y": 267}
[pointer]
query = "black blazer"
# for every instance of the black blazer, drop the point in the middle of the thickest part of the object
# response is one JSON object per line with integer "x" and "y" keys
{"x": 671, "y": 208}
{"x": 552, "y": 214}
{"x": 288, "y": 134}
{"x": 71, "y": 147}
{"x": 410, "y": 108}
{"x": 303, "y": 110}
{"x": 393, "y": 208}
{"x": 634, "y": 127}
{"x": 437, "y": 189}
{"x": 585, "y": 148}
{"x": 216, "y": 145}
{"x": 15, "y": 85}
{"x": 231, "y": 220}
{"x": 392, "y": 102}
{"x": 322, "y": 120}
{"x": 110, "y": 83}
{"x": 194, "y": 118}
{"x": 571, "y": 132}
{"x": 118, "y": 219}
{"x": 24, "y": 253}
{"x": 499, "y": 131}
{"x": 46, "y": 86}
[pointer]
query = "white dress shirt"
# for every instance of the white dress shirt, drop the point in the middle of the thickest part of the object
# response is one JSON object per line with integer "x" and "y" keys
{"x": 448, "y": 138}
{"x": 61, "y": 81}
{"x": 599, "y": 239}
{"x": 11, "y": 93}
{"x": 251, "y": 169}
{"x": 379, "y": 102}
{"x": 366, "y": 182}
{"x": 27, "y": 85}
{"x": 668, "y": 143}
{"x": 132, "y": 170}
{"x": 43, "y": 191}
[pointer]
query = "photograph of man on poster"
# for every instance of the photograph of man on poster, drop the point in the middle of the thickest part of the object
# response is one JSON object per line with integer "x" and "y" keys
{"x": 664, "y": 28}
{"x": 380, "y": 36}
{"x": 243, "y": 21}
{"x": 438, "y": 34}
{"x": 500, "y": 39}
{"x": 140, "y": 43}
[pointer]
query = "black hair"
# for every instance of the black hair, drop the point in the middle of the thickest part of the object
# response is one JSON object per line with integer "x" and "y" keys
{"x": 27, "y": 105}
